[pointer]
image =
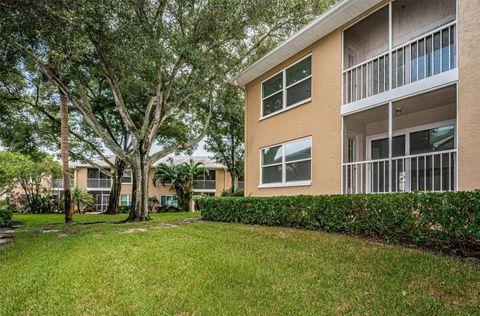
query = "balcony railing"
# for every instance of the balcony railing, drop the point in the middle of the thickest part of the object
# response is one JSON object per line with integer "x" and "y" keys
{"x": 199, "y": 185}
{"x": 423, "y": 57}
{"x": 58, "y": 183}
{"x": 99, "y": 183}
{"x": 434, "y": 171}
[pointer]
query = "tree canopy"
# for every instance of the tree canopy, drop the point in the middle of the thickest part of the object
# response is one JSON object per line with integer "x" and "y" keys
{"x": 162, "y": 63}
{"x": 225, "y": 135}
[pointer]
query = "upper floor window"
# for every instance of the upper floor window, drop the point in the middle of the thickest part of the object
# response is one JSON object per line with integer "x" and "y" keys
{"x": 96, "y": 174}
{"x": 287, "y": 163}
{"x": 292, "y": 86}
{"x": 127, "y": 176}
{"x": 209, "y": 175}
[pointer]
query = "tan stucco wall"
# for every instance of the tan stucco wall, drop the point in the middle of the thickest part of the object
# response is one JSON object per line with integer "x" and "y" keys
{"x": 319, "y": 118}
{"x": 157, "y": 190}
{"x": 469, "y": 95}
{"x": 81, "y": 177}
{"x": 222, "y": 181}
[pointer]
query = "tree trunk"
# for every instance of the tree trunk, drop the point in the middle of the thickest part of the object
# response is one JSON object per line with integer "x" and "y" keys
{"x": 232, "y": 174}
{"x": 116, "y": 187}
{"x": 65, "y": 155}
{"x": 139, "y": 210}
{"x": 233, "y": 178}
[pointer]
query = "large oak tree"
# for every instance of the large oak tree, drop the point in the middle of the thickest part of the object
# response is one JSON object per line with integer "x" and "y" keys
{"x": 163, "y": 62}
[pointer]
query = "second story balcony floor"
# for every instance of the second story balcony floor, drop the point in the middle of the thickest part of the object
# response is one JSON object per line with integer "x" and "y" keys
{"x": 402, "y": 43}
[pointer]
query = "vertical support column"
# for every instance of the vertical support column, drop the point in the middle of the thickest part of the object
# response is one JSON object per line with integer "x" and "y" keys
{"x": 342, "y": 136}
{"x": 468, "y": 94}
{"x": 390, "y": 146}
{"x": 390, "y": 103}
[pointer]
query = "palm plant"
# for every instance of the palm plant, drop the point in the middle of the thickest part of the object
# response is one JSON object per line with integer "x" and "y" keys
{"x": 181, "y": 178}
{"x": 82, "y": 198}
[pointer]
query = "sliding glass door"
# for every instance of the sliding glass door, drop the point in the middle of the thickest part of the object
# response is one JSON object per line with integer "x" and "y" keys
{"x": 420, "y": 160}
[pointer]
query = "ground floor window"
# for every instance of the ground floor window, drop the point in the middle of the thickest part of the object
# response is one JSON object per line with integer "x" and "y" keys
{"x": 125, "y": 200}
{"x": 168, "y": 200}
{"x": 101, "y": 200}
{"x": 287, "y": 163}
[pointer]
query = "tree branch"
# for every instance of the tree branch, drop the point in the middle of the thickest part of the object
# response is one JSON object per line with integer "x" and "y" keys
{"x": 85, "y": 110}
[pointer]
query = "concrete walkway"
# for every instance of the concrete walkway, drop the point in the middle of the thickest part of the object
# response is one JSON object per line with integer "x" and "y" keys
{"x": 6, "y": 234}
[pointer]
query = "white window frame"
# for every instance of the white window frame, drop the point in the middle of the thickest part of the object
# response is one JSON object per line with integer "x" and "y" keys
{"x": 285, "y": 183}
{"x": 131, "y": 177}
{"x": 284, "y": 90}
{"x": 406, "y": 132}
{"x": 129, "y": 199}
{"x": 166, "y": 199}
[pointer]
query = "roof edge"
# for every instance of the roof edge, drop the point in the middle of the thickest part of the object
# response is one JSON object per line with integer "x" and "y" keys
{"x": 329, "y": 13}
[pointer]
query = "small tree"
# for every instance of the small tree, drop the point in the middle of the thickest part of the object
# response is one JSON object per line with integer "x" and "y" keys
{"x": 32, "y": 176}
{"x": 226, "y": 133}
{"x": 82, "y": 198}
{"x": 180, "y": 178}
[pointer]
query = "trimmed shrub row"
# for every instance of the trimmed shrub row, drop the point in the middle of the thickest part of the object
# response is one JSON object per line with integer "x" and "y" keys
{"x": 449, "y": 221}
{"x": 5, "y": 217}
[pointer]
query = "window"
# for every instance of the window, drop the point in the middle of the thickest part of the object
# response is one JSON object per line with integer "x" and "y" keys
{"x": 96, "y": 174}
{"x": 125, "y": 200}
{"x": 288, "y": 163}
{"x": 168, "y": 200}
{"x": 430, "y": 140}
{"x": 209, "y": 175}
{"x": 127, "y": 176}
{"x": 290, "y": 87}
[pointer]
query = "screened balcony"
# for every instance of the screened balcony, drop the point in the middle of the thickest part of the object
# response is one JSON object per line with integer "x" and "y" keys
{"x": 420, "y": 45}
{"x": 408, "y": 146}
{"x": 205, "y": 183}
{"x": 96, "y": 179}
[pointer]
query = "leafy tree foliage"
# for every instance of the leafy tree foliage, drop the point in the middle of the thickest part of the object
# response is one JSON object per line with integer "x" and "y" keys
{"x": 180, "y": 178}
{"x": 226, "y": 133}
{"x": 82, "y": 199}
{"x": 163, "y": 63}
{"x": 33, "y": 177}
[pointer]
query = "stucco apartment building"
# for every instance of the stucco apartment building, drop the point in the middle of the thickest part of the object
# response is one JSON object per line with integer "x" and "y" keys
{"x": 93, "y": 180}
{"x": 372, "y": 96}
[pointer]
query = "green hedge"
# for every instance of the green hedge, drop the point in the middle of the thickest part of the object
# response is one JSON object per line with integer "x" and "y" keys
{"x": 444, "y": 220}
{"x": 5, "y": 217}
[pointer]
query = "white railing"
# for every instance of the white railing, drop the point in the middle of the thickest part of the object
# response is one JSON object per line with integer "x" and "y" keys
{"x": 366, "y": 79}
{"x": 99, "y": 183}
{"x": 58, "y": 183}
{"x": 204, "y": 185}
{"x": 434, "y": 171}
{"x": 425, "y": 56}
{"x": 420, "y": 58}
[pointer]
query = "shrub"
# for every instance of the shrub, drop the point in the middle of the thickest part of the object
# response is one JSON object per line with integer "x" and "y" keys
{"x": 123, "y": 209}
{"x": 5, "y": 217}
{"x": 238, "y": 193}
{"x": 448, "y": 220}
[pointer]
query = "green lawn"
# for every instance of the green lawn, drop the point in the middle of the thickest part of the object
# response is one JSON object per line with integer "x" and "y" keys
{"x": 211, "y": 268}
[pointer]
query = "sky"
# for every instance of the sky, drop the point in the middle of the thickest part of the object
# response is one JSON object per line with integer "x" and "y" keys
{"x": 198, "y": 152}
